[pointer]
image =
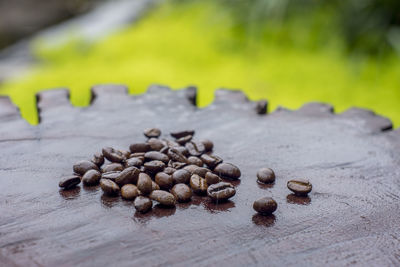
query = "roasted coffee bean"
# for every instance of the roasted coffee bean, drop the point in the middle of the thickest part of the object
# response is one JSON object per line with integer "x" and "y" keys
{"x": 201, "y": 171}
{"x": 191, "y": 168}
{"x": 91, "y": 177}
{"x": 184, "y": 140}
{"x": 152, "y": 132}
{"x": 211, "y": 160}
{"x": 266, "y": 176}
{"x": 128, "y": 176}
{"x": 208, "y": 145}
{"x": 182, "y": 192}
{"x": 171, "y": 143}
{"x": 144, "y": 183}
{"x": 69, "y": 182}
{"x": 181, "y": 176}
{"x": 265, "y": 205}
{"x": 176, "y": 155}
{"x": 163, "y": 197}
{"x": 227, "y": 170}
{"x": 169, "y": 170}
{"x": 113, "y": 155}
{"x": 155, "y": 144}
{"x": 139, "y": 147}
{"x": 155, "y": 155}
{"x": 129, "y": 192}
{"x": 179, "y": 134}
{"x": 183, "y": 150}
{"x": 112, "y": 167}
{"x": 301, "y": 187}
{"x": 154, "y": 166}
{"x": 221, "y": 191}
{"x": 143, "y": 204}
{"x": 164, "y": 180}
{"x": 195, "y": 149}
{"x": 154, "y": 186}
{"x": 124, "y": 153}
{"x": 83, "y": 166}
{"x": 113, "y": 175}
{"x": 139, "y": 155}
{"x": 98, "y": 159}
{"x": 176, "y": 165}
{"x": 109, "y": 187}
{"x": 198, "y": 184}
{"x": 212, "y": 178}
{"x": 195, "y": 161}
{"x": 133, "y": 162}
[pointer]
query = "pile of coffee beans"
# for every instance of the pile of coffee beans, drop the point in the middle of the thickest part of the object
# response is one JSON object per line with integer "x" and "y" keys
{"x": 162, "y": 170}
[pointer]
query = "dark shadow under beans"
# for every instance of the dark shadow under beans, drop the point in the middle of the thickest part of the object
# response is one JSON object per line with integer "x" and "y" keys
{"x": 157, "y": 211}
{"x": 265, "y": 186}
{"x": 70, "y": 194}
{"x": 109, "y": 201}
{"x": 264, "y": 220}
{"x": 214, "y": 207}
{"x": 299, "y": 200}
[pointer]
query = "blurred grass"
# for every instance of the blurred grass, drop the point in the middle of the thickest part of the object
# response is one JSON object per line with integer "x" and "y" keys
{"x": 295, "y": 61}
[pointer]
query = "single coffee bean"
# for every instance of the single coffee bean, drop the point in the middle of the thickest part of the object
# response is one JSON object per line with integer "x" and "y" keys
{"x": 144, "y": 183}
{"x": 69, "y": 182}
{"x": 154, "y": 186}
{"x": 112, "y": 167}
{"x": 191, "y": 168}
{"x": 129, "y": 192}
{"x": 195, "y": 149}
{"x": 113, "y": 155}
{"x": 139, "y": 155}
{"x": 91, "y": 177}
{"x": 198, "y": 184}
{"x": 266, "y": 176}
{"x": 109, "y": 187}
{"x": 98, "y": 159}
{"x": 181, "y": 176}
{"x": 301, "y": 187}
{"x": 208, "y": 145}
{"x": 182, "y": 192}
{"x": 128, "y": 176}
{"x": 155, "y": 144}
{"x": 83, "y": 166}
{"x": 176, "y": 165}
{"x": 221, "y": 191}
{"x": 163, "y": 197}
{"x": 227, "y": 170}
{"x": 265, "y": 206}
{"x": 169, "y": 170}
{"x": 210, "y": 160}
{"x": 113, "y": 175}
{"x": 195, "y": 161}
{"x": 139, "y": 147}
{"x": 133, "y": 162}
{"x": 175, "y": 155}
{"x": 184, "y": 140}
{"x": 152, "y": 132}
{"x": 155, "y": 155}
{"x": 143, "y": 204}
{"x": 212, "y": 178}
{"x": 179, "y": 134}
{"x": 201, "y": 171}
{"x": 183, "y": 150}
{"x": 124, "y": 153}
{"x": 154, "y": 166}
{"x": 164, "y": 180}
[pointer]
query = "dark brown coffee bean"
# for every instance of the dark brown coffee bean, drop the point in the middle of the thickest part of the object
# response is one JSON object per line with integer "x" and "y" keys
{"x": 266, "y": 176}
{"x": 144, "y": 184}
{"x": 208, "y": 145}
{"x": 201, "y": 171}
{"x": 169, "y": 170}
{"x": 154, "y": 166}
{"x": 221, "y": 191}
{"x": 211, "y": 160}
{"x": 152, "y": 132}
{"x": 113, "y": 155}
{"x": 112, "y": 167}
{"x": 139, "y": 155}
{"x": 182, "y": 192}
{"x": 195, "y": 149}
{"x": 83, "y": 166}
{"x": 195, "y": 161}
{"x": 134, "y": 162}
{"x": 109, "y": 187}
{"x": 113, "y": 175}
{"x": 129, "y": 192}
{"x": 154, "y": 186}
{"x": 176, "y": 165}
{"x": 128, "y": 176}
{"x": 175, "y": 155}
{"x": 265, "y": 205}
{"x": 163, "y": 197}
{"x": 98, "y": 159}
{"x": 301, "y": 187}
{"x": 69, "y": 182}
{"x": 124, "y": 153}
{"x": 155, "y": 144}
{"x": 139, "y": 147}
{"x": 212, "y": 178}
{"x": 183, "y": 150}
{"x": 91, "y": 177}
{"x": 155, "y": 155}
{"x": 181, "y": 176}
{"x": 143, "y": 204}
{"x": 164, "y": 180}
{"x": 179, "y": 134}
{"x": 184, "y": 140}
{"x": 191, "y": 168}
{"x": 198, "y": 184}
{"x": 227, "y": 170}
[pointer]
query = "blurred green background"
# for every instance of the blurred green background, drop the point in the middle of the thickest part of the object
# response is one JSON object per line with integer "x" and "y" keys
{"x": 290, "y": 52}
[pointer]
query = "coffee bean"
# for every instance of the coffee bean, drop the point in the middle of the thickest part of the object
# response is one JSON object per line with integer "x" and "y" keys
{"x": 181, "y": 176}
{"x": 221, "y": 191}
{"x": 227, "y": 170}
{"x": 179, "y": 134}
{"x": 69, "y": 182}
{"x": 133, "y": 162}
{"x": 155, "y": 144}
{"x": 169, "y": 170}
{"x": 198, "y": 184}
{"x": 154, "y": 166}
{"x": 139, "y": 147}
{"x": 98, "y": 159}
{"x": 109, "y": 187}
{"x": 152, "y": 132}
{"x": 182, "y": 192}
{"x": 212, "y": 178}
{"x": 129, "y": 192}
{"x": 301, "y": 187}
{"x": 201, "y": 171}
{"x": 163, "y": 197}
{"x": 128, "y": 176}
{"x": 113, "y": 175}
{"x": 164, "y": 180}
{"x": 112, "y": 155}
{"x": 143, "y": 204}
{"x": 265, "y": 206}
{"x": 195, "y": 161}
{"x": 91, "y": 177}
{"x": 184, "y": 140}
{"x": 195, "y": 149}
{"x": 144, "y": 183}
{"x": 112, "y": 167}
{"x": 183, "y": 150}
{"x": 176, "y": 165}
{"x": 83, "y": 166}
{"x": 155, "y": 155}
{"x": 210, "y": 160}
{"x": 139, "y": 155}
{"x": 191, "y": 168}
{"x": 266, "y": 175}
{"x": 124, "y": 153}
{"x": 208, "y": 145}
{"x": 154, "y": 186}
{"x": 175, "y": 155}
{"x": 171, "y": 143}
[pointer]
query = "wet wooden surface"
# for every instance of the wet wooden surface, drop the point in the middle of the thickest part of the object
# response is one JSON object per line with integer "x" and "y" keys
{"x": 351, "y": 216}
